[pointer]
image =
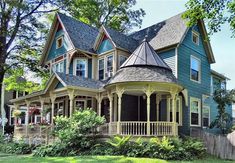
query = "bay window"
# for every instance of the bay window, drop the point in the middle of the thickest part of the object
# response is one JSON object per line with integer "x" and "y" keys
{"x": 195, "y": 111}
{"x": 58, "y": 67}
{"x": 195, "y": 71}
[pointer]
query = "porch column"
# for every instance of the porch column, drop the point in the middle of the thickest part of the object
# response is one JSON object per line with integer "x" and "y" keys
{"x": 148, "y": 93}
{"x": 53, "y": 97}
{"x": 99, "y": 101}
{"x": 27, "y": 115}
{"x": 158, "y": 99}
{"x": 71, "y": 101}
{"x": 42, "y": 108}
{"x": 16, "y": 107}
{"x": 173, "y": 97}
{"x": 119, "y": 94}
{"x": 110, "y": 96}
{"x": 115, "y": 108}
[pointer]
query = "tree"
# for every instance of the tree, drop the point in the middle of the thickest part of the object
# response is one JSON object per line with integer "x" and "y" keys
{"x": 215, "y": 13}
{"x": 116, "y": 14}
{"x": 223, "y": 120}
{"x": 20, "y": 32}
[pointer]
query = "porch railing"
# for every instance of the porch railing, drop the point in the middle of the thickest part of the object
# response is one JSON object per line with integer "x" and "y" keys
{"x": 137, "y": 128}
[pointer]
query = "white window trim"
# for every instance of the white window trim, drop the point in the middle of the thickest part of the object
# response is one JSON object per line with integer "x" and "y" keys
{"x": 75, "y": 66}
{"x": 99, "y": 69}
{"x": 199, "y": 73}
{"x": 59, "y": 37}
{"x": 209, "y": 118}
{"x": 197, "y": 34}
{"x": 199, "y": 111}
{"x": 58, "y": 62}
{"x": 105, "y": 58}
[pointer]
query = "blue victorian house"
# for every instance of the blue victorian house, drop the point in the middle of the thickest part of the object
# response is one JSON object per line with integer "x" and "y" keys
{"x": 154, "y": 82}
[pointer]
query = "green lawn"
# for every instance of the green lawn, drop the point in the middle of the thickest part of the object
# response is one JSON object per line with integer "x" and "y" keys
{"x": 5, "y": 158}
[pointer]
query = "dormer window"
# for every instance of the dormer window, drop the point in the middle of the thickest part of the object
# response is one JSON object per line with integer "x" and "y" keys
{"x": 59, "y": 42}
{"x": 195, "y": 37}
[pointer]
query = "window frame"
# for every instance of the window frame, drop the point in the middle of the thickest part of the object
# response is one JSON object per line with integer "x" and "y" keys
{"x": 75, "y": 66}
{"x": 105, "y": 58}
{"x": 199, "y": 71}
{"x": 57, "y": 41}
{"x": 199, "y": 111}
{"x": 204, "y": 97}
{"x": 194, "y": 33}
{"x": 102, "y": 69}
{"x": 61, "y": 62}
{"x": 106, "y": 69}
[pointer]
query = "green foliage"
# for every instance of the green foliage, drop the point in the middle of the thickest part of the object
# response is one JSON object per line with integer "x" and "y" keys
{"x": 164, "y": 148}
{"x": 15, "y": 147}
{"x": 223, "y": 120}
{"x": 117, "y": 14}
{"x": 215, "y": 13}
{"x": 76, "y": 134}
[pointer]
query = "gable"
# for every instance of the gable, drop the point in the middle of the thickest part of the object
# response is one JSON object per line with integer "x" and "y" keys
{"x": 59, "y": 85}
{"x": 55, "y": 52}
{"x": 105, "y": 45}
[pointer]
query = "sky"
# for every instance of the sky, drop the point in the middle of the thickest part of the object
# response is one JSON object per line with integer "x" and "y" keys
{"x": 223, "y": 45}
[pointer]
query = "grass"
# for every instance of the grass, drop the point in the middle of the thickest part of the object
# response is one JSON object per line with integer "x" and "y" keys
{"x": 101, "y": 159}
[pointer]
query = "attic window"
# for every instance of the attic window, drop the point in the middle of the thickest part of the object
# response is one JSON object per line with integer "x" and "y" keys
{"x": 59, "y": 42}
{"x": 195, "y": 37}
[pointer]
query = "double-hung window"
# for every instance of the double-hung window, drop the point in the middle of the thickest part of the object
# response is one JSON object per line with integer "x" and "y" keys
{"x": 58, "y": 67}
{"x": 109, "y": 66}
{"x": 101, "y": 69}
{"x": 195, "y": 111}
{"x": 80, "y": 67}
{"x": 205, "y": 111}
{"x": 195, "y": 72}
{"x": 105, "y": 68}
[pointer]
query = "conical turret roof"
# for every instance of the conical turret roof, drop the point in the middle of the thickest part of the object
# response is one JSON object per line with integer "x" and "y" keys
{"x": 144, "y": 65}
{"x": 144, "y": 55}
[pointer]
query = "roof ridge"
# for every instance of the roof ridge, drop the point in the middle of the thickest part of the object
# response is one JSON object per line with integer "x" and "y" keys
{"x": 156, "y": 24}
{"x": 77, "y": 20}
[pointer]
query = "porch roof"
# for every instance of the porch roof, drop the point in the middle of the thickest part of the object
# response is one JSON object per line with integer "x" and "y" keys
{"x": 77, "y": 81}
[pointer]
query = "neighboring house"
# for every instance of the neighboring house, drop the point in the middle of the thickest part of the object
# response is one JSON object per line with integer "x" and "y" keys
{"x": 153, "y": 82}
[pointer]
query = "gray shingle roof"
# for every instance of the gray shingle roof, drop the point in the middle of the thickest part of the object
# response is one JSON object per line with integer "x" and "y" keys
{"x": 143, "y": 65}
{"x": 71, "y": 80}
{"x": 82, "y": 35}
{"x": 163, "y": 34}
{"x": 122, "y": 40}
{"x": 140, "y": 74}
{"x": 144, "y": 55}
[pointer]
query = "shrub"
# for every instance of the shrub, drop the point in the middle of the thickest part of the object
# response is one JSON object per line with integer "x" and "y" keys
{"x": 16, "y": 148}
{"x": 76, "y": 134}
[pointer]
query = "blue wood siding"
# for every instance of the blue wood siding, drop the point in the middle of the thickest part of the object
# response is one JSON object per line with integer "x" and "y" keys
{"x": 53, "y": 52}
{"x": 169, "y": 58}
{"x": 105, "y": 45}
{"x": 196, "y": 90}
